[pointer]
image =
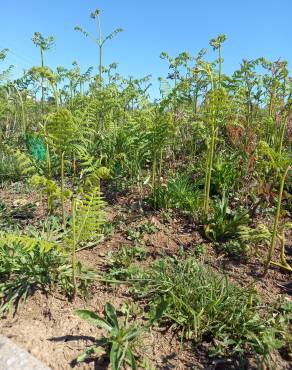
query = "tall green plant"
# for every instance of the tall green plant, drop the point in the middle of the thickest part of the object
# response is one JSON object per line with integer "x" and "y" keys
{"x": 216, "y": 104}
{"x": 61, "y": 129}
{"x": 280, "y": 163}
{"x": 88, "y": 217}
{"x": 100, "y": 41}
{"x": 44, "y": 44}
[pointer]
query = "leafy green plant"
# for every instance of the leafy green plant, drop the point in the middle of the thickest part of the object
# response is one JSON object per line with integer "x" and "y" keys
{"x": 199, "y": 250}
{"x": 51, "y": 189}
{"x": 21, "y": 162}
{"x": 30, "y": 264}
{"x": 148, "y": 227}
{"x": 88, "y": 218}
{"x": 224, "y": 223}
{"x": 177, "y": 194}
{"x": 215, "y": 101}
{"x": 234, "y": 247}
{"x": 44, "y": 44}
{"x": 261, "y": 236}
{"x": 281, "y": 163}
{"x": 61, "y": 130}
{"x": 208, "y": 308}
{"x": 125, "y": 256}
{"x": 255, "y": 237}
{"x": 120, "y": 341}
{"x": 100, "y": 41}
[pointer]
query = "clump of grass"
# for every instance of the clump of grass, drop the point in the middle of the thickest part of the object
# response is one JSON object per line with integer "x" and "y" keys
{"x": 208, "y": 308}
{"x": 26, "y": 268}
{"x": 178, "y": 194}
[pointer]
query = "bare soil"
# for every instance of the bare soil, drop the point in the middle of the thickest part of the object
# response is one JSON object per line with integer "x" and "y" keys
{"x": 47, "y": 327}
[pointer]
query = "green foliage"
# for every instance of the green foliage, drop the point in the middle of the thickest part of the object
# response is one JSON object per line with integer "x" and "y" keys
{"x": 179, "y": 194}
{"x": 125, "y": 256}
{"x": 22, "y": 162}
{"x": 255, "y": 237}
{"x": 209, "y": 308}
{"x": 61, "y": 129}
{"x": 226, "y": 173}
{"x": 51, "y": 189}
{"x": 227, "y": 134}
{"x": 9, "y": 167}
{"x": 90, "y": 216}
{"x": 120, "y": 341}
{"x": 44, "y": 43}
{"x": 224, "y": 223}
{"x": 29, "y": 264}
{"x": 234, "y": 247}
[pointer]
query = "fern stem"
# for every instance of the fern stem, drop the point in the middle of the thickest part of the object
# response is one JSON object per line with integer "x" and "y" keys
{"x": 209, "y": 173}
{"x": 282, "y": 134}
{"x": 48, "y": 159}
{"x": 283, "y": 260}
{"x": 74, "y": 259}
{"x": 160, "y": 163}
{"x": 62, "y": 154}
{"x": 276, "y": 223}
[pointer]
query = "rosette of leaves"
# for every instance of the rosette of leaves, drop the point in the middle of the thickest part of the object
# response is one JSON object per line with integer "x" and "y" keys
{"x": 119, "y": 341}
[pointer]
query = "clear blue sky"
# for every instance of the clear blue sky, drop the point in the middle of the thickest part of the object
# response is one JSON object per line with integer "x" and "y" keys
{"x": 254, "y": 28}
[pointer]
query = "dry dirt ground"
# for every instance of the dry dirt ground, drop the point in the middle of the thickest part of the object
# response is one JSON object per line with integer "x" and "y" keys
{"x": 48, "y": 328}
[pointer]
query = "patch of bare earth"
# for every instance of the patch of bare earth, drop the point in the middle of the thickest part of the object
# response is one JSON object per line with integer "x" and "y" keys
{"x": 48, "y": 328}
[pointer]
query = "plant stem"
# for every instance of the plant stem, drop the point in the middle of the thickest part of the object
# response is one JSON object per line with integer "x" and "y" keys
{"x": 62, "y": 154}
{"x": 42, "y": 81}
{"x": 74, "y": 259}
{"x": 209, "y": 172}
{"x": 276, "y": 223}
{"x": 100, "y": 43}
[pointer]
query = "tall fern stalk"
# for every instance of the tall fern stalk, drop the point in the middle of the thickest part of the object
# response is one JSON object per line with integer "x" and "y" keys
{"x": 62, "y": 156}
{"x": 276, "y": 222}
{"x": 44, "y": 44}
{"x": 211, "y": 148}
{"x": 74, "y": 247}
{"x": 100, "y": 41}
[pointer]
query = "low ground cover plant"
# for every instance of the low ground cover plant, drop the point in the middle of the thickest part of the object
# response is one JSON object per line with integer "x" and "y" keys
{"x": 28, "y": 265}
{"x": 232, "y": 320}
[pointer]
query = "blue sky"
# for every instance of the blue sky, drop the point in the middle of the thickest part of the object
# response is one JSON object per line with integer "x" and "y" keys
{"x": 254, "y": 28}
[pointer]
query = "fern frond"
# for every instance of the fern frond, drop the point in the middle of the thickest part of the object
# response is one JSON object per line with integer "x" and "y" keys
{"x": 61, "y": 128}
{"x": 25, "y": 165}
{"x": 261, "y": 234}
{"x": 90, "y": 216}
{"x": 28, "y": 243}
{"x": 91, "y": 168}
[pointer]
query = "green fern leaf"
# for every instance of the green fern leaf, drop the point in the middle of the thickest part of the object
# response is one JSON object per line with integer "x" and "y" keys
{"x": 28, "y": 243}
{"x": 90, "y": 216}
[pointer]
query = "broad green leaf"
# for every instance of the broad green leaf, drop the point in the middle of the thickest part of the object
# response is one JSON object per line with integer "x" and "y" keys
{"x": 93, "y": 318}
{"x": 111, "y": 315}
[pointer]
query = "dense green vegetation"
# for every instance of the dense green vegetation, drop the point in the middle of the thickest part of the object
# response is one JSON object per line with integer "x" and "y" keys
{"x": 214, "y": 148}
